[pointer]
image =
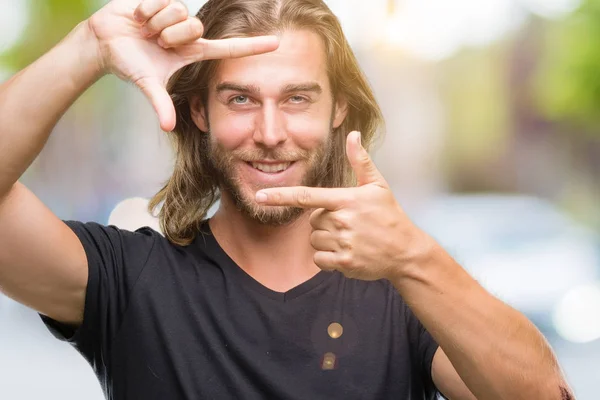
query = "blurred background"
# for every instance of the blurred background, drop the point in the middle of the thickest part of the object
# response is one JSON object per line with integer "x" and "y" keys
{"x": 492, "y": 146}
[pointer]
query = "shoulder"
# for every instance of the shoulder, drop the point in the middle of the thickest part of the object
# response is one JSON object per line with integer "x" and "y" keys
{"x": 111, "y": 247}
{"x": 97, "y": 232}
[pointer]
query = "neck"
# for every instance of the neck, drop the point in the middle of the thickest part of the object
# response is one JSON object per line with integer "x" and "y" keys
{"x": 279, "y": 257}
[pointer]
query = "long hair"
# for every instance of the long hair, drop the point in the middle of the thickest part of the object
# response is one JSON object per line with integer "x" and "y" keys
{"x": 192, "y": 189}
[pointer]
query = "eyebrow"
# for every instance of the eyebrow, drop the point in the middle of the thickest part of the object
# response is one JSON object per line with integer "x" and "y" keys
{"x": 224, "y": 86}
{"x": 303, "y": 87}
{"x": 253, "y": 89}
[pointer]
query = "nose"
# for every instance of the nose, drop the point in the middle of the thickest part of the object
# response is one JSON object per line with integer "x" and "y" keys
{"x": 270, "y": 128}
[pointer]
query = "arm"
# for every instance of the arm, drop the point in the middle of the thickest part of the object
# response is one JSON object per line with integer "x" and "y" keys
{"x": 32, "y": 101}
{"x": 447, "y": 380}
{"x": 42, "y": 263}
{"x": 496, "y": 351}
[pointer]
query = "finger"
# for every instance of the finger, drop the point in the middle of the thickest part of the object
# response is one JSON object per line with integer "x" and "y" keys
{"x": 182, "y": 33}
{"x": 324, "y": 220}
{"x": 364, "y": 168}
{"x": 147, "y": 8}
{"x": 323, "y": 241}
{"x": 304, "y": 197}
{"x": 172, "y": 14}
{"x": 161, "y": 102}
{"x": 325, "y": 260}
{"x": 235, "y": 47}
{"x": 317, "y": 217}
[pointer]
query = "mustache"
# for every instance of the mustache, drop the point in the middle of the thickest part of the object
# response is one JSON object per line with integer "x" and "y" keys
{"x": 280, "y": 155}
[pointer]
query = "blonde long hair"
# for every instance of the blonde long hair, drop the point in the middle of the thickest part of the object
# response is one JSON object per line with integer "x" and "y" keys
{"x": 191, "y": 190}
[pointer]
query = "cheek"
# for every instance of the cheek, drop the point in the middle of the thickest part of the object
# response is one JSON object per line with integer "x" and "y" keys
{"x": 231, "y": 129}
{"x": 308, "y": 130}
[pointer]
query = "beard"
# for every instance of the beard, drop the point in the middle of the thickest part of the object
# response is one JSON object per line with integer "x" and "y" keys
{"x": 222, "y": 166}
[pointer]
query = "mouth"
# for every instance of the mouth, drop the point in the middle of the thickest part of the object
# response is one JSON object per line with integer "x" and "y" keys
{"x": 270, "y": 168}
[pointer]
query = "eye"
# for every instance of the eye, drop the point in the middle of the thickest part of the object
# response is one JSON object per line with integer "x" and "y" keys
{"x": 241, "y": 99}
{"x": 297, "y": 99}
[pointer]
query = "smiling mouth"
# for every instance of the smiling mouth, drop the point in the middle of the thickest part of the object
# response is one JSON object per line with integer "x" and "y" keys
{"x": 270, "y": 168}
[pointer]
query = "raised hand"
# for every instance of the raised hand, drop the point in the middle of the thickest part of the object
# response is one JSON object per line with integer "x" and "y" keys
{"x": 146, "y": 42}
{"x": 359, "y": 231}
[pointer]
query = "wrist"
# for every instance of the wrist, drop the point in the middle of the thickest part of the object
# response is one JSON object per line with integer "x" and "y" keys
{"x": 418, "y": 251}
{"x": 85, "y": 45}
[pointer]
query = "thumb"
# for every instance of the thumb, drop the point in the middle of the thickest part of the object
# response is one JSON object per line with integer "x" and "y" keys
{"x": 161, "y": 102}
{"x": 364, "y": 168}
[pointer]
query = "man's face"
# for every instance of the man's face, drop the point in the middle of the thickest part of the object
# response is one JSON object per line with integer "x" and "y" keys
{"x": 270, "y": 119}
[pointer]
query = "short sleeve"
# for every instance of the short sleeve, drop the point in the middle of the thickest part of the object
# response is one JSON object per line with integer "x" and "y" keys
{"x": 116, "y": 259}
{"x": 424, "y": 346}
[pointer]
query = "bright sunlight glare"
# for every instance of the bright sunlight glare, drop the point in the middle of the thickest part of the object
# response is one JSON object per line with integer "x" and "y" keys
{"x": 436, "y": 29}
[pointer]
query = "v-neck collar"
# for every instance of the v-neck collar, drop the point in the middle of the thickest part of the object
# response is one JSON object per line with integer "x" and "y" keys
{"x": 246, "y": 279}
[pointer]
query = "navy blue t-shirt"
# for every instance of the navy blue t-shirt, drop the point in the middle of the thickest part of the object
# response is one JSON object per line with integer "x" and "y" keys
{"x": 163, "y": 321}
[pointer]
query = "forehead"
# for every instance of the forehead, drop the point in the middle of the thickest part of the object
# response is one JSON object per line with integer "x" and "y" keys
{"x": 300, "y": 57}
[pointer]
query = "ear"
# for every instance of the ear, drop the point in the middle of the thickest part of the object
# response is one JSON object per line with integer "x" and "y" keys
{"x": 341, "y": 110}
{"x": 198, "y": 113}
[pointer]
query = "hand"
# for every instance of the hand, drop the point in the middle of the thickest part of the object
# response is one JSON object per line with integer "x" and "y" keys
{"x": 359, "y": 231}
{"x": 146, "y": 42}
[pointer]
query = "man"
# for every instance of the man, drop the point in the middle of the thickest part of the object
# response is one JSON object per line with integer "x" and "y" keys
{"x": 303, "y": 285}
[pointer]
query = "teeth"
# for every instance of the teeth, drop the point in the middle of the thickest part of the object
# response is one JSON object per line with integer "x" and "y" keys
{"x": 271, "y": 167}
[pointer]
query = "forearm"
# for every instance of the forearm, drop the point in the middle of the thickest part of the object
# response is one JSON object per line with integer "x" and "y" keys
{"x": 498, "y": 353}
{"x": 32, "y": 101}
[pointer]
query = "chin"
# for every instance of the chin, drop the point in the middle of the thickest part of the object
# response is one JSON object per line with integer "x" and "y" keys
{"x": 245, "y": 202}
{"x": 276, "y": 216}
